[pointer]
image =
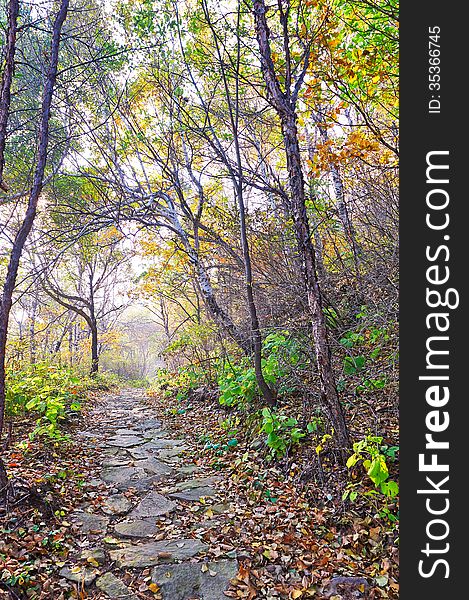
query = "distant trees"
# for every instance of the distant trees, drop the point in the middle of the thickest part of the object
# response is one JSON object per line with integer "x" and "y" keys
{"x": 87, "y": 280}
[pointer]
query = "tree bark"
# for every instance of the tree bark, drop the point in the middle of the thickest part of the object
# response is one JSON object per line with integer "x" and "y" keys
{"x": 284, "y": 104}
{"x": 94, "y": 349}
{"x": 7, "y": 78}
{"x": 38, "y": 179}
{"x": 237, "y": 179}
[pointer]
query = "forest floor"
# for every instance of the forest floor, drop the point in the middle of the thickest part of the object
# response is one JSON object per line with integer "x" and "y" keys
{"x": 138, "y": 506}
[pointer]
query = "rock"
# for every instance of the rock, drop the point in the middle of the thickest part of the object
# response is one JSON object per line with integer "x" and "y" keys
{"x": 190, "y": 484}
{"x": 148, "y": 424}
{"x": 82, "y": 575}
{"x": 186, "y": 580}
{"x": 133, "y": 432}
{"x": 187, "y": 470}
{"x": 220, "y": 508}
{"x": 125, "y": 441}
{"x": 170, "y": 455}
{"x": 114, "y": 588}
{"x": 153, "y": 505}
{"x": 178, "y": 582}
{"x": 97, "y": 554}
{"x": 153, "y": 466}
{"x": 137, "y": 529}
{"x": 116, "y": 461}
{"x": 89, "y": 522}
{"x": 122, "y": 475}
{"x": 348, "y": 588}
{"x": 117, "y": 504}
{"x": 141, "y": 485}
{"x": 152, "y": 553}
{"x": 194, "y": 494}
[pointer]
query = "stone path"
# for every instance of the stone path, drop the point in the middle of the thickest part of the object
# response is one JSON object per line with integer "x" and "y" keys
{"x": 121, "y": 533}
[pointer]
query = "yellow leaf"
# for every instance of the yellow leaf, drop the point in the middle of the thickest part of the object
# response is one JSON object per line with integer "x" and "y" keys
{"x": 297, "y": 593}
{"x": 153, "y": 588}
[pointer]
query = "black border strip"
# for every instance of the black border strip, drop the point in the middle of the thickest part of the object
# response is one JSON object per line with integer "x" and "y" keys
{"x": 423, "y": 132}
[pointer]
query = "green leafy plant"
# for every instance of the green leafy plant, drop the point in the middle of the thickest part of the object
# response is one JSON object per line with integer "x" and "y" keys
{"x": 46, "y": 390}
{"x": 369, "y": 453}
{"x": 282, "y": 431}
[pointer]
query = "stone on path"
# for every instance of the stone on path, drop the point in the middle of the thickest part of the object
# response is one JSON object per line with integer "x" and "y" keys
{"x": 153, "y": 505}
{"x": 152, "y": 553}
{"x": 96, "y": 554}
{"x": 114, "y": 588}
{"x": 153, "y": 466}
{"x": 148, "y": 424}
{"x": 187, "y": 580}
{"x": 139, "y": 529}
{"x": 162, "y": 443}
{"x": 90, "y": 522}
{"x": 198, "y": 482}
{"x": 170, "y": 455}
{"x": 187, "y": 470}
{"x": 126, "y": 431}
{"x": 117, "y": 504}
{"x": 193, "y": 494}
{"x": 122, "y": 475}
{"x": 125, "y": 441}
{"x": 85, "y": 575}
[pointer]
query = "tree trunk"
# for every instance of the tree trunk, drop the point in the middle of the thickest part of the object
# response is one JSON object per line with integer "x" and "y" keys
{"x": 25, "y": 228}
{"x": 284, "y": 104}
{"x": 237, "y": 179}
{"x": 7, "y": 78}
{"x": 221, "y": 317}
{"x": 94, "y": 349}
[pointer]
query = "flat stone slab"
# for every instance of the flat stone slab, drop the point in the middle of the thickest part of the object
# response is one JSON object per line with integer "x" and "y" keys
{"x": 117, "y": 504}
{"x": 160, "y": 443}
{"x": 89, "y": 522}
{"x": 153, "y": 466}
{"x": 148, "y": 424}
{"x": 135, "y": 529}
{"x": 114, "y": 588}
{"x": 193, "y": 494}
{"x": 152, "y": 553}
{"x": 198, "y": 482}
{"x": 187, "y": 470}
{"x": 170, "y": 455}
{"x": 121, "y": 474}
{"x": 125, "y": 431}
{"x": 117, "y": 461}
{"x": 153, "y": 505}
{"x": 96, "y": 554}
{"x": 125, "y": 441}
{"x": 187, "y": 580}
{"x": 85, "y": 575}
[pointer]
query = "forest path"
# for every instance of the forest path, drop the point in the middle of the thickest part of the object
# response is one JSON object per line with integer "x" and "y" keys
{"x": 143, "y": 535}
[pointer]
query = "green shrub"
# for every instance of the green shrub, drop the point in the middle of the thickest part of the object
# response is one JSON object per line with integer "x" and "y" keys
{"x": 282, "y": 431}
{"x": 45, "y": 390}
{"x": 372, "y": 455}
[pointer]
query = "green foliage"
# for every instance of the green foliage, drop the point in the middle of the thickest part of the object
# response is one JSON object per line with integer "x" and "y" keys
{"x": 237, "y": 384}
{"x": 372, "y": 456}
{"x": 46, "y": 391}
{"x": 282, "y": 431}
{"x": 365, "y": 347}
{"x": 237, "y": 380}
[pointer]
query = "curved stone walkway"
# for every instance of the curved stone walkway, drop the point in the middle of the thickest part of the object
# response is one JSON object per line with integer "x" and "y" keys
{"x": 121, "y": 533}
